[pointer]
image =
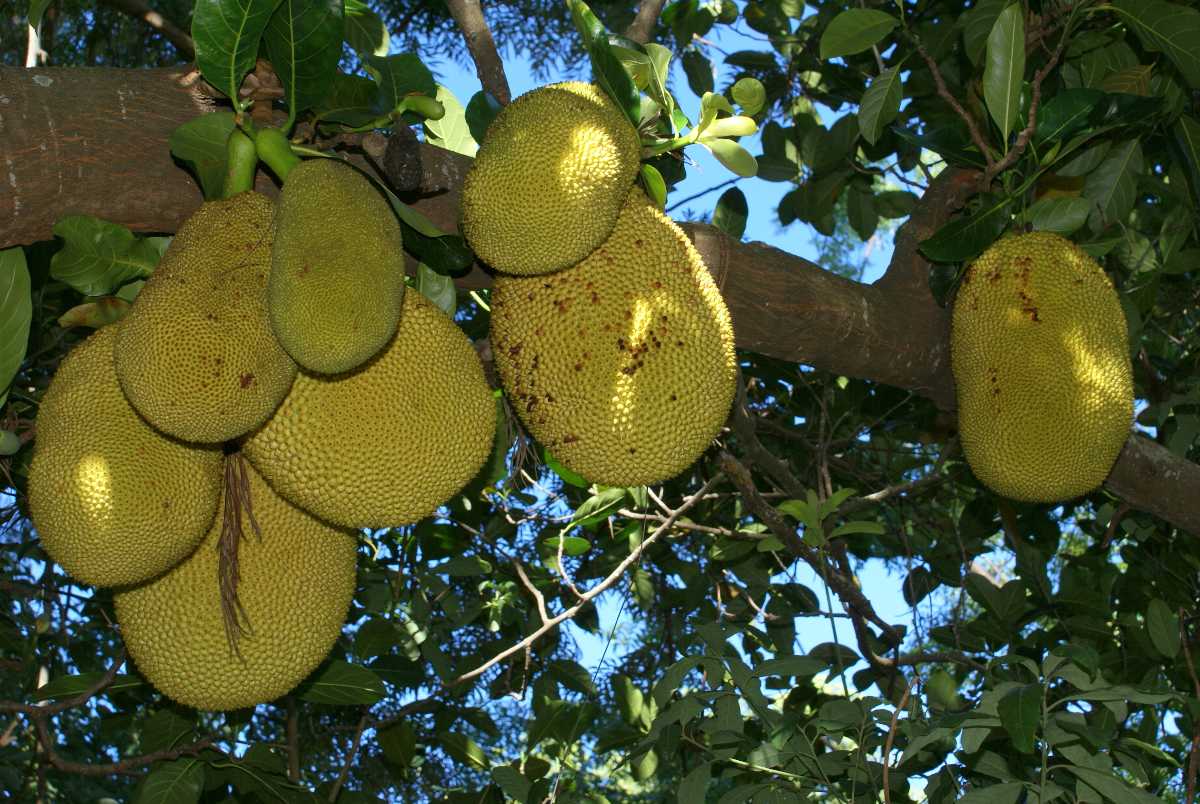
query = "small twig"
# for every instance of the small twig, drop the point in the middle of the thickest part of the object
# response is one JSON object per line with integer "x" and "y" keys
{"x": 945, "y": 94}
{"x": 488, "y": 65}
{"x": 1110, "y": 532}
{"x": 533, "y": 590}
{"x": 172, "y": 32}
{"x": 702, "y": 193}
{"x": 351, "y": 755}
{"x": 891, "y": 738}
{"x": 643, "y": 22}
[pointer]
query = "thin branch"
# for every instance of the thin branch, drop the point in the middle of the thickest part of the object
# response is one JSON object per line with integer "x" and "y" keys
{"x": 293, "y": 739}
{"x": 170, "y": 31}
{"x": 533, "y": 590}
{"x": 488, "y": 66}
{"x": 891, "y": 739}
{"x": 351, "y": 755}
{"x": 642, "y": 26}
{"x": 702, "y": 193}
{"x": 945, "y": 94}
{"x": 743, "y": 427}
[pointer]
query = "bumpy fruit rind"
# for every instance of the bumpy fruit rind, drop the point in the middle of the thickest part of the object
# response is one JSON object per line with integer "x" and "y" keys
{"x": 114, "y": 501}
{"x": 549, "y": 180}
{"x": 622, "y": 366}
{"x": 1040, "y": 355}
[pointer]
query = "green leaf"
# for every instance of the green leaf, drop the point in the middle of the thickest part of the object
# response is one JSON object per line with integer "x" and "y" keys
{"x": 200, "y": 142}
{"x": 854, "y": 31}
{"x": 694, "y": 786}
{"x": 97, "y": 257}
{"x": 514, "y": 785}
{"x": 1162, "y": 624}
{"x": 860, "y": 212}
{"x": 1004, "y": 793}
{"x": 482, "y": 109}
{"x": 880, "y": 104}
{"x": 342, "y": 684}
{"x": 858, "y": 526}
{"x": 750, "y": 94}
{"x": 399, "y": 743}
{"x": 1060, "y": 214}
{"x": 966, "y": 238}
{"x": 227, "y": 33}
{"x": 587, "y": 23}
{"x": 452, "y": 131}
{"x": 698, "y": 70}
{"x": 1170, "y": 28}
{"x": 731, "y": 213}
{"x": 365, "y": 31}
{"x": 612, "y": 76}
{"x": 977, "y": 23}
{"x": 1005, "y": 68}
{"x": 1187, "y": 137}
{"x": 789, "y": 666}
{"x": 463, "y": 749}
{"x": 654, "y": 184}
{"x": 350, "y": 101}
{"x": 36, "y": 9}
{"x": 598, "y": 507}
{"x": 399, "y": 75}
{"x": 568, "y": 477}
{"x": 1112, "y": 185}
{"x": 733, "y": 156}
{"x": 438, "y": 288}
{"x": 464, "y": 567}
{"x": 180, "y": 781}
{"x": 16, "y": 311}
{"x": 571, "y": 545}
{"x": 629, "y": 698}
{"x": 1020, "y": 712}
{"x": 304, "y": 44}
{"x": 1065, "y": 114}
{"x": 1112, "y": 787}
{"x": 69, "y": 686}
{"x": 573, "y": 676}
{"x": 893, "y": 204}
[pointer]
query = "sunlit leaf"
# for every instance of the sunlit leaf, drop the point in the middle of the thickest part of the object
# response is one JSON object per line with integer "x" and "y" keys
{"x": 854, "y": 31}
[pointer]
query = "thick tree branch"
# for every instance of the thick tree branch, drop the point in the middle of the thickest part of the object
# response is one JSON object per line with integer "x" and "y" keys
{"x": 469, "y": 16}
{"x": 93, "y": 141}
{"x": 172, "y": 32}
{"x": 642, "y": 27}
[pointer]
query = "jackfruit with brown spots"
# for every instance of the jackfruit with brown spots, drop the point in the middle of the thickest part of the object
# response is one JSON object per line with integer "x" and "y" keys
{"x": 549, "y": 179}
{"x": 1040, "y": 355}
{"x": 195, "y": 354}
{"x": 386, "y": 444}
{"x": 337, "y": 268}
{"x": 623, "y": 366}
{"x": 113, "y": 500}
{"x": 297, "y": 577}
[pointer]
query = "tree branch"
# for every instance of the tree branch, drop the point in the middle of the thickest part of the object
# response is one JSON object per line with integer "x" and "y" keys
{"x": 97, "y": 162}
{"x": 642, "y": 27}
{"x": 490, "y": 69}
{"x": 170, "y": 31}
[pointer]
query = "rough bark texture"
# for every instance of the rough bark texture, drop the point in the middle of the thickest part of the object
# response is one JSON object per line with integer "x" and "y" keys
{"x": 95, "y": 141}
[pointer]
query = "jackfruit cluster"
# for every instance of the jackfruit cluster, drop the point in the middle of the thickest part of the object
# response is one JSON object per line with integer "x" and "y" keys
{"x": 610, "y": 337}
{"x": 549, "y": 179}
{"x": 1040, "y": 356}
{"x": 133, "y": 483}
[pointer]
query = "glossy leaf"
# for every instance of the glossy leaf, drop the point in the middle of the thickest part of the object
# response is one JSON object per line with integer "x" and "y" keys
{"x": 16, "y": 311}
{"x": 854, "y": 31}
{"x": 880, "y": 104}
{"x": 365, "y": 31}
{"x": 179, "y": 781}
{"x": 342, "y": 684}
{"x": 70, "y": 686}
{"x": 304, "y": 43}
{"x": 1171, "y": 28}
{"x": 1059, "y": 214}
{"x": 1005, "y": 68}
{"x": 481, "y": 110}
{"x": 200, "y": 143}
{"x": 1065, "y": 114}
{"x": 966, "y": 238}
{"x": 1021, "y": 713}
{"x": 1112, "y": 185}
{"x": 97, "y": 256}
{"x": 227, "y": 34}
{"x": 731, "y": 213}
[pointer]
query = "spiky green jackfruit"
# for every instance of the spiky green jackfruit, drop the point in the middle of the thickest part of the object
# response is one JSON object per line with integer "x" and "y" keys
{"x": 114, "y": 501}
{"x": 549, "y": 179}
{"x": 337, "y": 268}
{"x": 1040, "y": 355}
{"x": 195, "y": 354}
{"x": 623, "y": 366}
{"x": 296, "y": 582}
{"x": 386, "y": 444}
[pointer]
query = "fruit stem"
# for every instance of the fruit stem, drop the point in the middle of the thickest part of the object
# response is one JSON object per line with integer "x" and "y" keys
{"x": 242, "y": 164}
{"x": 274, "y": 149}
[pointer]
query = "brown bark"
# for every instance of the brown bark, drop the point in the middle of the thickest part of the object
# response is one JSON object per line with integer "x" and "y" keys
{"x": 78, "y": 140}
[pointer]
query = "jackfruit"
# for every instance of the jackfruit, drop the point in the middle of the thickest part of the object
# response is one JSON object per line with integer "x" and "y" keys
{"x": 337, "y": 268}
{"x": 195, "y": 354}
{"x": 623, "y": 366}
{"x": 386, "y": 444}
{"x": 296, "y": 580}
{"x": 1040, "y": 356}
{"x": 114, "y": 501}
{"x": 549, "y": 179}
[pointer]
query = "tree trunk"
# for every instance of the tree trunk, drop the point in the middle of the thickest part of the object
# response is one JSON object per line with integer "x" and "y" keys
{"x": 94, "y": 141}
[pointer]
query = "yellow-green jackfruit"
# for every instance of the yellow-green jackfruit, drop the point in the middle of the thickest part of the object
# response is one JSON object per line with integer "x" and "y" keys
{"x": 386, "y": 444}
{"x": 623, "y": 366}
{"x": 549, "y": 179}
{"x": 337, "y": 268}
{"x": 1040, "y": 356}
{"x": 195, "y": 354}
{"x": 295, "y": 585}
{"x": 114, "y": 501}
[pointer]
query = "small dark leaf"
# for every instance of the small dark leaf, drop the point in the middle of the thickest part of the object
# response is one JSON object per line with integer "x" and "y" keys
{"x": 365, "y": 31}
{"x": 463, "y": 749}
{"x": 16, "y": 311}
{"x": 699, "y": 71}
{"x": 612, "y": 76}
{"x": 399, "y": 75}
{"x": 917, "y": 586}
{"x": 731, "y": 213}
{"x": 69, "y": 686}
{"x": 481, "y": 111}
{"x": 342, "y": 684}
{"x": 1065, "y": 114}
{"x": 1021, "y": 714}
{"x": 1162, "y": 624}
{"x": 180, "y": 781}
{"x": 880, "y": 104}
{"x": 200, "y": 143}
